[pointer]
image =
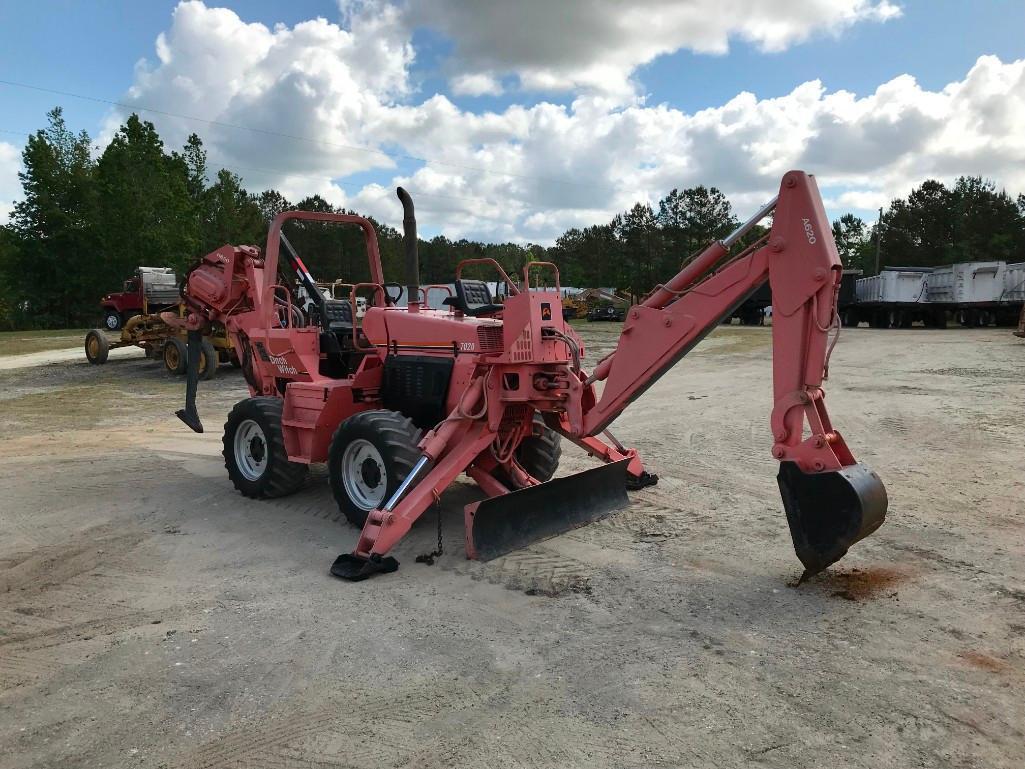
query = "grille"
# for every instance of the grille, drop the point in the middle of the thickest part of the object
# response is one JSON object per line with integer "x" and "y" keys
{"x": 489, "y": 338}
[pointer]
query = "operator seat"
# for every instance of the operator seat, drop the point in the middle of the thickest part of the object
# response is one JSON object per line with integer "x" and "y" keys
{"x": 337, "y": 315}
{"x": 473, "y": 298}
{"x": 341, "y": 357}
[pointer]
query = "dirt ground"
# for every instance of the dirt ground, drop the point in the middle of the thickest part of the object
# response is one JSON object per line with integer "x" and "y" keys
{"x": 152, "y": 617}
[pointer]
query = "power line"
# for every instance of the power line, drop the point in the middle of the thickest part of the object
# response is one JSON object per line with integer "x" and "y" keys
{"x": 278, "y": 173}
{"x": 294, "y": 137}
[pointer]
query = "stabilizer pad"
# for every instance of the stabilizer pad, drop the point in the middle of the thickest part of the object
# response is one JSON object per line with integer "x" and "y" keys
{"x": 353, "y": 568}
{"x": 520, "y": 518}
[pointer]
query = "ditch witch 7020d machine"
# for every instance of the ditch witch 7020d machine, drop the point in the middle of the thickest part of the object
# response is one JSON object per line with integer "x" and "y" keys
{"x": 403, "y": 403}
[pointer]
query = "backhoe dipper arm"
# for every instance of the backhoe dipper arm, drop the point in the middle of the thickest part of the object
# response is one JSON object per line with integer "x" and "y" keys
{"x": 831, "y": 501}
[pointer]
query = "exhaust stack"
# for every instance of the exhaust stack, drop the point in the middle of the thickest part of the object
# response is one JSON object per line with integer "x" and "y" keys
{"x": 412, "y": 257}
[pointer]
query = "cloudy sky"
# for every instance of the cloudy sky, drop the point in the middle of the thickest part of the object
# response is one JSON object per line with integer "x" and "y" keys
{"x": 517, "y": 120}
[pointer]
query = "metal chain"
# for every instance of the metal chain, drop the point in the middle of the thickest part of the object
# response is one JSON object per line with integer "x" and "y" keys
{"x": 428, "y": 558}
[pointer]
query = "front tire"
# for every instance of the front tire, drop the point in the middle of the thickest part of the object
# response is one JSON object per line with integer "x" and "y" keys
{"x": 112, "y": 320}
{"x": 371, "y": 453}
{"x": 254, "y": 451}
{"x": 97, "y": 347}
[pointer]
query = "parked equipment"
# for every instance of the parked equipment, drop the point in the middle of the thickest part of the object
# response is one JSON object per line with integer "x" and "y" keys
{"x": 594, "y": 302}
{"x": 606, "y": 312}
{"x": 162, "y": 340}
{"x": 155, "y": 323}
{"x": 400, "y": 405}
{"x": 150, "y": 289}
{"x": 971, "y": 293}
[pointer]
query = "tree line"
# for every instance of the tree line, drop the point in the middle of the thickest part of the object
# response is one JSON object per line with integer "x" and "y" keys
{"x": 84, "y": 223}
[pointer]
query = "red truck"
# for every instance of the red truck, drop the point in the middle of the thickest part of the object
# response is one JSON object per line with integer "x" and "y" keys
{"x": 150, "y": 289}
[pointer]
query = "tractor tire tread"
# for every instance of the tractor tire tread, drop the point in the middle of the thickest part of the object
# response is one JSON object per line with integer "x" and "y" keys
{"x": 283, "y": 477}
{"x": 175, "y": 348}
{"x": 103, "y": 346}
{"x": 399, "y": 437}
{"x": 212, "y": 361}
{"x": 539, "y": 453}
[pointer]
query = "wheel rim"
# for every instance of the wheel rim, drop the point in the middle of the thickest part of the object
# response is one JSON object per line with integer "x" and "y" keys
{"x": 364, "y": 475}
{"x": 112, "y": 322}
{"x": 250, "y": 450}
{"x": 94, "y": 347}
{"x": 171, "y": 357}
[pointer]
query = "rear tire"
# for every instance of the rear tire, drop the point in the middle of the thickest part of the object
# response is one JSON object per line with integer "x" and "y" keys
{"x": 371, "y": 453}
{"x": 175, "y": 356}
{"x": 254, "y": 451}
{"x": 97, "y": 348}
{"x": 538, "y": 453}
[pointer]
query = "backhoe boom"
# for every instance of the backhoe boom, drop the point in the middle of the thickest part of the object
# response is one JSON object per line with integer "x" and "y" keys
{"x": 800, "y": 261}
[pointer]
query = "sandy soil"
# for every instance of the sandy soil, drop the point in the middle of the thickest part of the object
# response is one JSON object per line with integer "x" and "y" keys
{"x": 63, "y": 355}
{"x": 152, "y": 617}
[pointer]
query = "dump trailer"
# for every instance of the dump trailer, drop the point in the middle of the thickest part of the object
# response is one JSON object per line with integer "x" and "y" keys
{"x": 970, "y": 293}
{"x": 895, "y": 298}
{"x": 400, "y": 403}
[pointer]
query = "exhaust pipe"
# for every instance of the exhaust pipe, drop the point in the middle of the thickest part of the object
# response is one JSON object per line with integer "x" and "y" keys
{"x": 412, "y": 257}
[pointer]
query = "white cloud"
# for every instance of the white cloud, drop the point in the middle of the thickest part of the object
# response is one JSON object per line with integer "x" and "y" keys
{"x": 315, "y": 80}
{"x": 477, "y": 84}
{"x": 597, "y": 44}
{"x": 529, "y": 172}
{"x": 10, "y": 186}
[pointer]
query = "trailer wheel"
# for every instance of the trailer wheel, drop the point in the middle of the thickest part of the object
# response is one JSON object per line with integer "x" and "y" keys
{"x": 175, "y": 356}
{"x": 538, "y": 453}
{"x": 97, "y": 347}
{"x": 208, "y": 360}
{"x": 371, "y": 453}
{"x": 254, "y": 451}
{"x": 112, "y": 320}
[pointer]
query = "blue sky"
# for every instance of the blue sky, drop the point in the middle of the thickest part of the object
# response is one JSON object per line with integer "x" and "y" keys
{"x": 93, "y": 49}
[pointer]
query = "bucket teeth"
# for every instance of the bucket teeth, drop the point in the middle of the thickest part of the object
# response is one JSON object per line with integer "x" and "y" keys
{"x": 515, "y": 520}
{"x": 830, "y": 511}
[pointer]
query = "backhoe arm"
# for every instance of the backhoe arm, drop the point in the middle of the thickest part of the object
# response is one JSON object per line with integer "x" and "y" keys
{"x": 831, "y": 501}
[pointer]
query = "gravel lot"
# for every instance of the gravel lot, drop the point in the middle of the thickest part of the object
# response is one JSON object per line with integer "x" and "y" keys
{"x": 152, "y": 617}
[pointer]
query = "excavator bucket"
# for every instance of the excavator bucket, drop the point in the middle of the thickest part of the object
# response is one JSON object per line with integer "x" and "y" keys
{"x": 830, "y": 511}
{"x": 515, "y": 520}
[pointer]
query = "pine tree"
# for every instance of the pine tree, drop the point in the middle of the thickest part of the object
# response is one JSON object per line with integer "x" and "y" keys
{"x": 53, "y": 265}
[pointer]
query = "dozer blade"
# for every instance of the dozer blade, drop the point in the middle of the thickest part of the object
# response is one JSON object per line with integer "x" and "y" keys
{"x": 520, "y": 518}
{"x": 830, "y": 511}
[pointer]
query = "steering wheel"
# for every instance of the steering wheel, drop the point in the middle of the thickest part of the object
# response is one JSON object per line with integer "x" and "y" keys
{"x": 388, "y": 298}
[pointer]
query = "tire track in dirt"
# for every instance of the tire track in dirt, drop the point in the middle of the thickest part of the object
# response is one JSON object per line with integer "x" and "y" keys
{"x": 27, "y": 573}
